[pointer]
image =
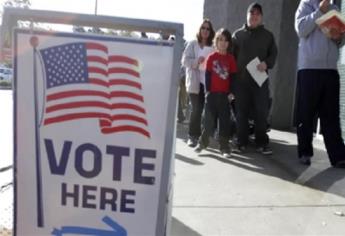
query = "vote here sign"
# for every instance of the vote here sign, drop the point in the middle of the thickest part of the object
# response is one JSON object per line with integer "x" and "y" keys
{"x": 90, "y": 130}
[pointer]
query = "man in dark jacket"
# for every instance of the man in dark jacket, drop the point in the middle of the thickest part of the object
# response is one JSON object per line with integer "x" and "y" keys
{"x": 251, "y": 41}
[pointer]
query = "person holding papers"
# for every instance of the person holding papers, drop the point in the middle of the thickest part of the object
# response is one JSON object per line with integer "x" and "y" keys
{"x": 193, "y": 59}
{"x": 318, "y": 82}
{"x": 220, "y": 70}
{"x": 255, "y": 51}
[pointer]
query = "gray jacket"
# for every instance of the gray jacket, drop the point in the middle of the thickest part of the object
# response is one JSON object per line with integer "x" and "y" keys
{"x": 190, "y": 61}
{"x": 316, "y": 51}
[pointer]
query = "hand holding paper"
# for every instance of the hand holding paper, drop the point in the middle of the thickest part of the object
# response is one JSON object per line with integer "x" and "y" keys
{"x": 262, "y": 66}
{"x": 204, "y": 53}
{"x": 258, "y": 76}
{"x": 201, "y": 60}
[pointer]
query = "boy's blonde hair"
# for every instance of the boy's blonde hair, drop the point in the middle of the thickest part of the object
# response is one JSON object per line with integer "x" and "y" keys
{"x": 227, "y": 34}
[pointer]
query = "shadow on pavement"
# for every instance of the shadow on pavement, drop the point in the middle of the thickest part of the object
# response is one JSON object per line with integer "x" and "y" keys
{"x": 329, "y": 181}
{"x": 179, "y": 229}
{"x": 188, "y": 160}
{"x": 253, "y": 162}
{"x": 319, "y": 175}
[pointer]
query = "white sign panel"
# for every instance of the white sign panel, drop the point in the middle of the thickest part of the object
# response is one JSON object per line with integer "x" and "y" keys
{"x": 90, "y": 120}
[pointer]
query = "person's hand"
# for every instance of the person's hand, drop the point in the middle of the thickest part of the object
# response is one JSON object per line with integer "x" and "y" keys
{"x": 262, "y": 66}
{"x": 198, "y": 62}
{"x": 335, "y": 35}
{"x": 231, "y": 97}
{"x": 324, "y": 5}
{"x": 201, "y": 60}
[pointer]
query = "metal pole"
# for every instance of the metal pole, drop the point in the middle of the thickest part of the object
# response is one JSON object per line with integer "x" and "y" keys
{"x": 96, "y": 3}
{"x": 40, "y": 212}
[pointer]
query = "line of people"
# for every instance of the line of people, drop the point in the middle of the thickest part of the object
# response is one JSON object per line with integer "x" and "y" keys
{"x": 216, "y": 72}
{"x": 223, "y": 77}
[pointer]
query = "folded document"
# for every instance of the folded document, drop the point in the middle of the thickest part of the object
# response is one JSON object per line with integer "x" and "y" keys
{"x": 258, "y": 76}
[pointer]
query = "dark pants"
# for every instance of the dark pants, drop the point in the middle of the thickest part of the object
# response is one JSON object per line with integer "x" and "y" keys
{"x": 180, "y": 114}
{"x": 181, "y": 100}
{"x": 318, "y": 93}
{"x": 217, "y": 108}
{"x": 250, "y": 99}
{"x": 197, "y": 101}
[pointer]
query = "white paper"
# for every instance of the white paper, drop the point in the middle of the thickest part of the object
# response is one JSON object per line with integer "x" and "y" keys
{"x": 257, "y": 75}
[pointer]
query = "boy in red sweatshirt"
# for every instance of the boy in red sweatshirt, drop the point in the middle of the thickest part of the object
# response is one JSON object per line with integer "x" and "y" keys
{"x": 220, "y": 70}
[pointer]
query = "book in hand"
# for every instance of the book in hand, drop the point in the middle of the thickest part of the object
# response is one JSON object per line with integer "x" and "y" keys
{"x": 332, "y": 20}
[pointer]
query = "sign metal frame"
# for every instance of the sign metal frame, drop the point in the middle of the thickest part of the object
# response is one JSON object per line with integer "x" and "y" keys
{"x": 12, "y": 15}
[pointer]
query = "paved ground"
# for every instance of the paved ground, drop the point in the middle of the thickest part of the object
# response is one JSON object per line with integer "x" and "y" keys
{"x": 251, "y": 194}
{"x": 247, "y": 194}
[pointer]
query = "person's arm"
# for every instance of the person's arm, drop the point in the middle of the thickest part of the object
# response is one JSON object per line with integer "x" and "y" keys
{"x": 207, "y": 81}
{"x": 234, "y": 46}
{"x": 272, "y": 54}
{"x": 233, "y": 77}
{"x": 341, "y": 42}
{"x": 337, "y": 37}
{"x": 189, "y": 59}
{"x": 208, "y": 74}
{"x": 305, "y": 18}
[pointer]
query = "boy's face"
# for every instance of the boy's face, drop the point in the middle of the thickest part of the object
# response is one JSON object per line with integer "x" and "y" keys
{"x": 254, "y": 18}
{"x": 222, "y": 44}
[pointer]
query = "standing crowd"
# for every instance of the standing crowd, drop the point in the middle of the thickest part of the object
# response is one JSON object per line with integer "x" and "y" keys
{"x": 220, "y": 81}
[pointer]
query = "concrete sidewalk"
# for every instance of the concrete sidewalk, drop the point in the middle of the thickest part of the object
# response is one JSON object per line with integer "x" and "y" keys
{"x": 251, "y": 194}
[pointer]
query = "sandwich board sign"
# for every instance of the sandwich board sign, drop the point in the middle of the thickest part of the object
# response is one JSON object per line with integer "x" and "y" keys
{"x": 93, "y": 133}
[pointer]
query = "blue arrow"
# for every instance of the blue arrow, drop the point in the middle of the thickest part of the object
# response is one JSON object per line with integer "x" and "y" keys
{"x": 118, "y": 230}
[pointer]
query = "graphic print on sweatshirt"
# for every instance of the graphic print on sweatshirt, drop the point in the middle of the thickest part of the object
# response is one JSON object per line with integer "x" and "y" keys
{"x": 221, "y": 70}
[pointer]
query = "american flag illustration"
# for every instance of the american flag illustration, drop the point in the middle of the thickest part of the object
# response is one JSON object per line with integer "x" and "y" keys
{"x": 83, "y": 81}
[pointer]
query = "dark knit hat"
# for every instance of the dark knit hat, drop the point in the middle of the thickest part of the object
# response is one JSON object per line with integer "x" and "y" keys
{"x": 255, "y": 6}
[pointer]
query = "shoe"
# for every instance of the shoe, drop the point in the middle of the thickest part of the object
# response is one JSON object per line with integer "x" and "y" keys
{"x": 305, "y": 160}
{"x": 192, "y": 142}
{"x": 181, "y": 120}
{"x": 226, "y": 153}
{"x": 340, "y": 164}
{"x": 266, "y": 150}
{"x": 199, "y": 148}
{"x": 268, "y": 129}
{"x": 239, "y": 149}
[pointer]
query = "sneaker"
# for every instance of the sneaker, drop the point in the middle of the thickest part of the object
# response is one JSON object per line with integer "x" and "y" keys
{"x": 199, "y": 148}
{"x": 266, "y": 150}
{"x": 239, "y": 149}
{"x": 305, "y": 160}
{"x": 192, "y": 142}
{"x": 181, "y": 120}
{"x": 340, "y": 164}
{"x": 226, "y": 153}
